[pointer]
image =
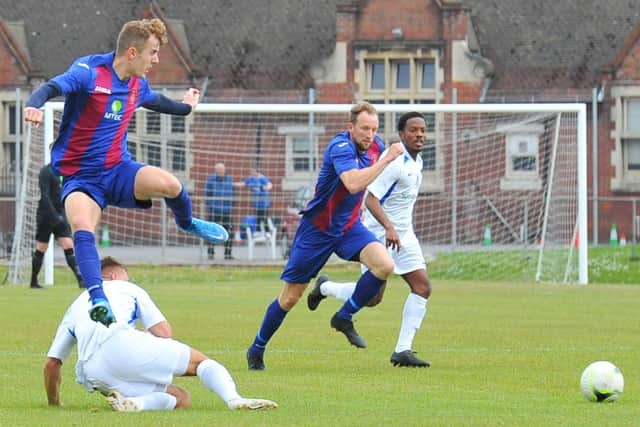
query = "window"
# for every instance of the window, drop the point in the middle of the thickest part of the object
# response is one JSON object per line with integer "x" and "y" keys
{"x": 12, "y": 119}
{"x": 301, "y": 162}
{"x": 405, "y": 77}
{"x": 9, "y": 109}
{"x": 632, "y": 154}
{"x": 412, "y": 81}
{"x": 427, "y": 72}
{"x": 626, "y": 152}
{"x": 153, "y": 123}
{"x": 521, "y": 161}
{"x": 376, "y": 75}
{"x": 8, "y": 138}
{"x": 401, "y": 75}
{"x": 177, "y": 124}
{"x": 152, "y": 153}
{"x": 148, "y": 131}
{"x": 177, "y": 156}
{"x": 522, "y": 154}
{"x": 302, "y": 154}
{"x": 632, "y": 130}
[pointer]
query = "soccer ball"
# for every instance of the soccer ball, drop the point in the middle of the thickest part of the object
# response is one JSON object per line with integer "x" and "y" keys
{"x": 602, "y": 382}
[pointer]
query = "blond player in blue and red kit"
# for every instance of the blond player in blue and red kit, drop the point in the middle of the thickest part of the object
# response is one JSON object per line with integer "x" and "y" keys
{"x": 331, "y": 224}
{"x": 390, "y": 202}
{"x": 102, "y": 93}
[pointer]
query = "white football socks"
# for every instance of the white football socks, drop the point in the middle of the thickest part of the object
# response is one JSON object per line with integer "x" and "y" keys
{"x": 217, "y": 379}
{"x": 415, "y": 308}
{"x": 342, "y": 291}
{"x": 155, "y": 401}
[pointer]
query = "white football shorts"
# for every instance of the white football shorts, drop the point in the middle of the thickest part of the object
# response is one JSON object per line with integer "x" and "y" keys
{"x": 409, "y": 258}
{"x": 134, "y": 363}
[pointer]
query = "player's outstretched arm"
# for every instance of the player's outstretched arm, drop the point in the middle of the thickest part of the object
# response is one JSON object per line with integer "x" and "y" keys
{"x": 356, "y": 180}
{"x": 45, "y": 92}
{"x": 162, "y": 104}
{"x": 53, "y": 380}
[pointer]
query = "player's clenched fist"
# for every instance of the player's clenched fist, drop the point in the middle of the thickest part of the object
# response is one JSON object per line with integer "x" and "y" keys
{"x": 394, "y": 151}
{"x": 33, "y": 115}
{"x": 191, "y": 97}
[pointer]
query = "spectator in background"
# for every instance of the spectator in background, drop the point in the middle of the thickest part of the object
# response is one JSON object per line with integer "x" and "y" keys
{"x": 259, "y": 185}
{"x": 51, "y": 219}
{"x": 219, "y": 196}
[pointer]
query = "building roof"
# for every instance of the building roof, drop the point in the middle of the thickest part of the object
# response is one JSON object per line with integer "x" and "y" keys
{"x": 241, "y": 43}
{"x": 549, "y": 43}
{"x": 254, "y": 44}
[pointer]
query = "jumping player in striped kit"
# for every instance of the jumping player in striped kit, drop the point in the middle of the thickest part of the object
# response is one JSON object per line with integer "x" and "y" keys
{"x": 331, "y": 224}
{"x": 102, "y": 93}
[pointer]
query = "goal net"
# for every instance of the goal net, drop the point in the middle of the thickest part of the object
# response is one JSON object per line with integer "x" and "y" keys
{"x": 503, "y": 195}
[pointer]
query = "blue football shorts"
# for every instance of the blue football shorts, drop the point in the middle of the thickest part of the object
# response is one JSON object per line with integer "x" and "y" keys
{"x": 312, "y": 248}
{"x": 113, "y": 186}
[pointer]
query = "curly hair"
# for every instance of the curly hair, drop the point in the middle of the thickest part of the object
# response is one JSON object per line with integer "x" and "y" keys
{"x": 402, "y": 122}
{"x": 136, "y": 33}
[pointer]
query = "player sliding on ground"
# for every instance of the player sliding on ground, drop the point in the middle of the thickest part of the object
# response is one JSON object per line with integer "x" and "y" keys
{"x": 331, "y": 224}
{"x": 134, "y": 368}
{"x": 389, "y": 215}
{"x": 102, "y": 93}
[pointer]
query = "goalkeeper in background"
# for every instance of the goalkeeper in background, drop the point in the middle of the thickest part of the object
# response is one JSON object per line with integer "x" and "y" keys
{"x": 102, "y": 93}
{"x": 389, "y": 215}
{"x": 331, "y": 224}
{"x": 50, "y": 219}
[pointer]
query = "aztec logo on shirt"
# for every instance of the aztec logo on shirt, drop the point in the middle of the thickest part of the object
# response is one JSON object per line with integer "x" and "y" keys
{"x": 114, "y": 114}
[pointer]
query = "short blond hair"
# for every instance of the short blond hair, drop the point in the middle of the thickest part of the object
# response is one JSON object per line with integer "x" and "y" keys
{"x": 359, "y": 108}
{"x": 136, "y": 34}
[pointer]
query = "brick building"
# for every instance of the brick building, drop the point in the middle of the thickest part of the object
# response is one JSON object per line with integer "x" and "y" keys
{"x": 415, "y": 51}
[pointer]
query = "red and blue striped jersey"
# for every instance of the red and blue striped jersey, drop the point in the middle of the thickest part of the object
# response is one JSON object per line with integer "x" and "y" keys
{"x": 98, "y": 107}
{"x": 333, "y": 209}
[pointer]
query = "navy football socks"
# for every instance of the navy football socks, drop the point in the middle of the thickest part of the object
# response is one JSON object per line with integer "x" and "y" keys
{"x": 273, "y": 318}
{"x": 367, "y": 287}
{"x": 181, "y": 208}
{"x": 89, "y": 263}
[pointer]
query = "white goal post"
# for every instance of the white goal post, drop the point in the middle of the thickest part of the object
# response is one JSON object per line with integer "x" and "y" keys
{"x": 504, "y": 192}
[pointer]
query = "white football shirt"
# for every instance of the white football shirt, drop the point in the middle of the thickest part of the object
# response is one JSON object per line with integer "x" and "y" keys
{"x": 130, "y": 304}
{"x": 397, "y": 188}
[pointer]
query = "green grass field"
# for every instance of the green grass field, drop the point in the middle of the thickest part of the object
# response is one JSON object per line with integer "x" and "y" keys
{"x": 507, "y": 354}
